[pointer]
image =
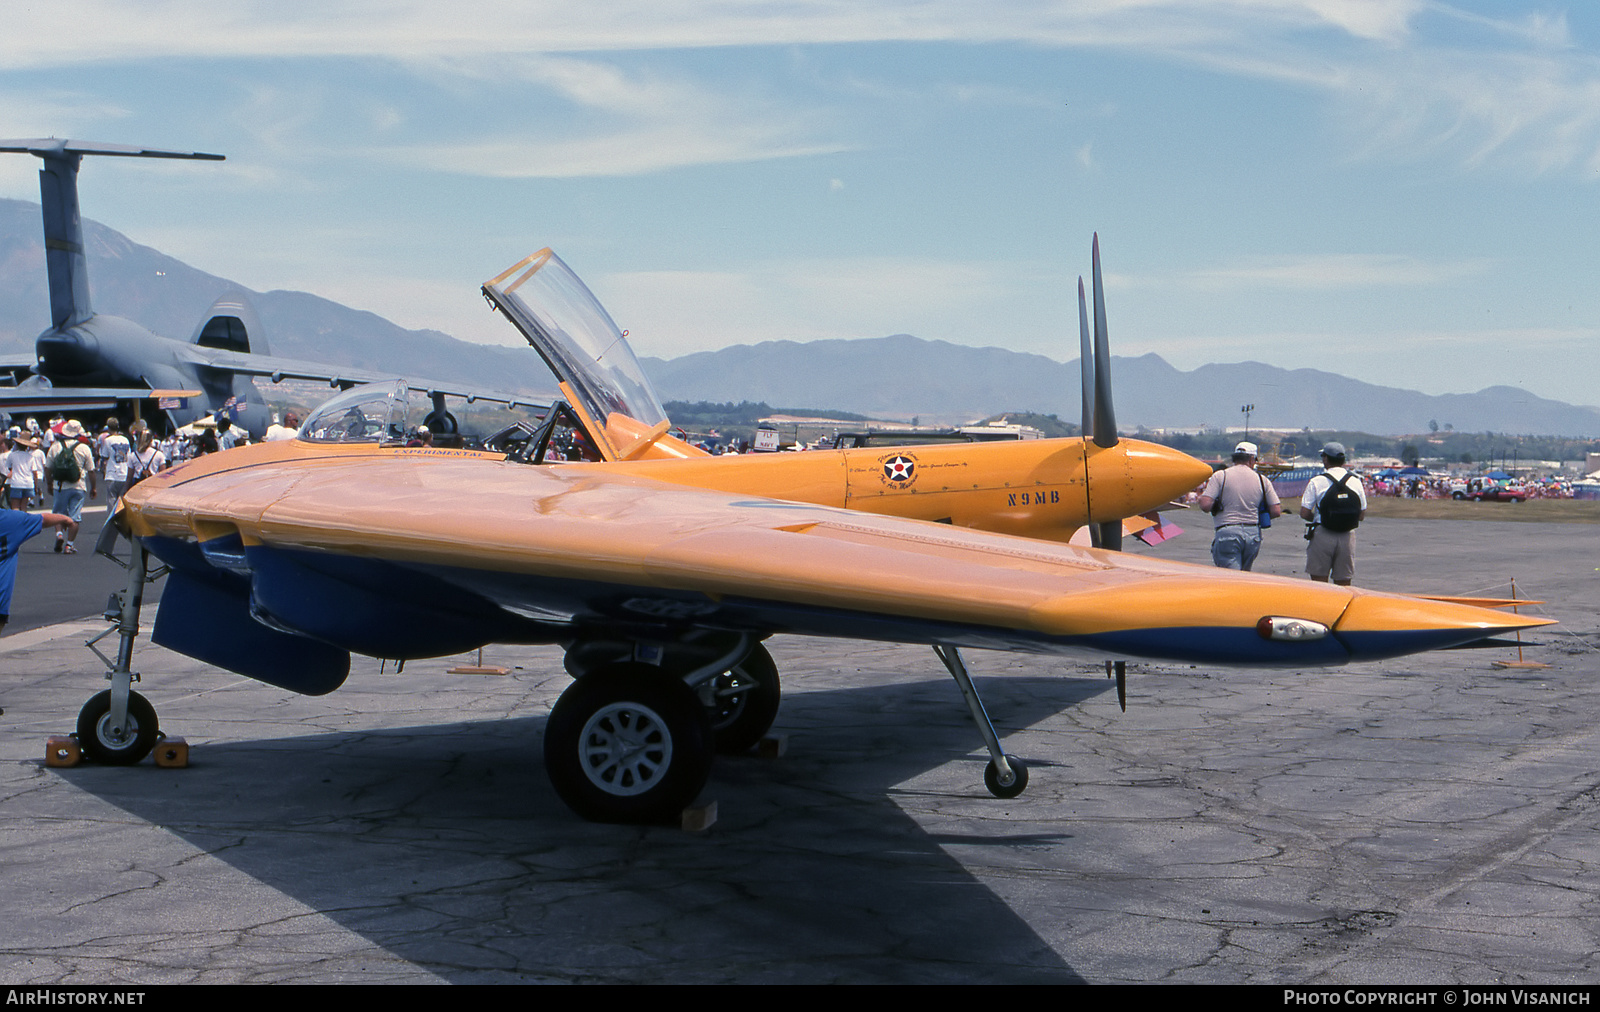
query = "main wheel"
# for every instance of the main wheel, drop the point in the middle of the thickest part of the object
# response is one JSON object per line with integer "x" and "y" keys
{"x": 117, "y": 746}
{"x": 744, "y": 701}
{"x": 1018, "y": 784}
{"x": 627, "y": 743}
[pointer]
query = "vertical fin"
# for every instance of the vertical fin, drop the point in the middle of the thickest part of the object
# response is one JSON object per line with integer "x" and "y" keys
{"x": 65, "y": 262}
{"x": 64, "y": 259}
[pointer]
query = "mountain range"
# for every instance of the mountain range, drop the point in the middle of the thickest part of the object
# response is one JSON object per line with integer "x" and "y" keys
{"x": 902, "y": 376}
{"x": 894, "y": 377}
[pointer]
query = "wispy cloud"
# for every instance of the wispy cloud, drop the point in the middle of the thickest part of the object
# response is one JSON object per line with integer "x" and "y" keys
{"x": 1335, "y": 271}
{"x": 1410, "y": 78}
{"x": 101, "y": 30}
{"x": 623, "y": 123}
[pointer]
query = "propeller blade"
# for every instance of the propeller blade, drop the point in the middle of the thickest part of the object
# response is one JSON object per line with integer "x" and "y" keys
{"x": 1086, "y": 371}
{"x": 1085, "y": 361}
{"x": 1121, "y": 675}
{"x": 1105, "y": 420}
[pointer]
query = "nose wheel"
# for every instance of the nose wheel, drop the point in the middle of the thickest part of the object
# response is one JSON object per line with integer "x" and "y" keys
{"x": 118, "y": 726}
{"x": 114, "y": 742}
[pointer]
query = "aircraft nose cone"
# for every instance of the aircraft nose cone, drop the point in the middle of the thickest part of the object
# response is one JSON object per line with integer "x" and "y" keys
{"x": 67, "y": 353}
{"x": 1179, "y": 471}
{"x": 1379, "y": 626}
{"x": 1132, "y": 476}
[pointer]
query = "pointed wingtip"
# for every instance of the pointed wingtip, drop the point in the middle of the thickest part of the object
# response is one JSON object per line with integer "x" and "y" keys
{"x": 1376, "y": 625}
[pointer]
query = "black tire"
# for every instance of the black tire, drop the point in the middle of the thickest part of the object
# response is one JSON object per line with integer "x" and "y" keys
{"x": 105, "y": 745}
{"x": 991, "y": 778}
{"x": 627, "y": 743}
{"x": 745, "y": 702}
{"x": 1458, "y": 495}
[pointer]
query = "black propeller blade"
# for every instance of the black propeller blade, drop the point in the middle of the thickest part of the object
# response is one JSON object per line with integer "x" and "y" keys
{"x": 1085, "y": 370}
{"x": 1105, "y": 419}
{"x": 1121, "y": 668}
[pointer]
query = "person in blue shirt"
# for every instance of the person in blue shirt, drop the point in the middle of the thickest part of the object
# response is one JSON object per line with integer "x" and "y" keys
{"x": 16, "y": 527}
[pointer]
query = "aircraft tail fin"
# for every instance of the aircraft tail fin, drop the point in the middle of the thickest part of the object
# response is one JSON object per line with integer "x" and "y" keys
{"x": 65, "y": 261}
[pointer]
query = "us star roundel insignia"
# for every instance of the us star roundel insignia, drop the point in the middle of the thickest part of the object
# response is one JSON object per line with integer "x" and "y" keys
{"x": 900, "y": 470}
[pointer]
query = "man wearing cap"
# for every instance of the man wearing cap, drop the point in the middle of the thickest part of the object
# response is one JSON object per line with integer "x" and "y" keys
{"x": 1331, "y": 553}
{"x": 1239, "y": 499}
{"x": 68, "y": 493}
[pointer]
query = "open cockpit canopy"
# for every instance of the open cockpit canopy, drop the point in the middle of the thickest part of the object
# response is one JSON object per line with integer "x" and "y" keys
{"x": 566, "y": 324}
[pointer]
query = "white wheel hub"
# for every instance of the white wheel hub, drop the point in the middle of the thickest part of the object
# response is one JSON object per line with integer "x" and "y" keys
{"x": 625, "y": 749}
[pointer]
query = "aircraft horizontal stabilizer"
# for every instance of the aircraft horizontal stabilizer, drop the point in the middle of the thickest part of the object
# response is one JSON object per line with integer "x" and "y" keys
{"x": 46, "y": 147}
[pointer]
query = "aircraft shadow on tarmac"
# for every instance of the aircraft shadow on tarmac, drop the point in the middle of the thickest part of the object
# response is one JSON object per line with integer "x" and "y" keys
{"x": 445, "y": 845}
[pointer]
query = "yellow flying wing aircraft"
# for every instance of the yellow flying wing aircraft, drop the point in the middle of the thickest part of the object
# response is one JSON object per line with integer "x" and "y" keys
{"x": 661, "y": 569}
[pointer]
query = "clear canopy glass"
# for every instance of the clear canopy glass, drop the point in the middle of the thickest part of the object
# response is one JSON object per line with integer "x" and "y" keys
{"x": 370, "y": 413}
{"x": 577, "y": 338}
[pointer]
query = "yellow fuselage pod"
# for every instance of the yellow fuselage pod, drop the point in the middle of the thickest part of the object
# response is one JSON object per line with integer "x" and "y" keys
{"x": 1039, "y": 488}
{"x": 1042, "y": 488}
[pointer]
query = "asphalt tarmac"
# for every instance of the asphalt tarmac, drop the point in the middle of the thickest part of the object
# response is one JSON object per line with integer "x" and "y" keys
{"x": 1429, "y": 820}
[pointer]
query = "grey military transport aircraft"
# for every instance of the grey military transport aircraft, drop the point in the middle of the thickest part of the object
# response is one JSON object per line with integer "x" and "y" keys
{"x": 89, "y": 360}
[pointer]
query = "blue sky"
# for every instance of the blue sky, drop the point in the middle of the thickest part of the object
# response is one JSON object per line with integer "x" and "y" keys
{"x": 1401, "y": 191}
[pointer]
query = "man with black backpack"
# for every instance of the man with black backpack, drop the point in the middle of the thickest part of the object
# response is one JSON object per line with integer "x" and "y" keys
{"x": 70, "y": 472}
{"x": 1335, "y": 503}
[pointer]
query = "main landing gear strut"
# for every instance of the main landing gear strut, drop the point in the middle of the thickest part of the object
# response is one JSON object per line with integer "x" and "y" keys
{"x": 118, "y": 726}
{"x": 633, "y": 738}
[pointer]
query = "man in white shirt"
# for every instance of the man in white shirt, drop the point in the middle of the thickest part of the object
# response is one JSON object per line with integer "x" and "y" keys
{"x": 1332, "y": 541}
{"x": 116, "y": 450}
{"x": 288, "y": 430}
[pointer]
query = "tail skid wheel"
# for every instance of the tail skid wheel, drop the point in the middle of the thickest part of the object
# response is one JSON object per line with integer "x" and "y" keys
{"x": 1019, "y": 778}
{"x": 745, "y": 702}
{"x": 112, "y": 745}
{"x": 626, "y": 743}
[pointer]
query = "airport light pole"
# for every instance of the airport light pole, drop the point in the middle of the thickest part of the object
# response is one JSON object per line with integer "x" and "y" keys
{"x": 1247, "y": 409}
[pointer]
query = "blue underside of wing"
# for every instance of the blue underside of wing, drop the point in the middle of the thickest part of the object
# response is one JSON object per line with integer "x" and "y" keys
{"x": 292, "y": 617}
